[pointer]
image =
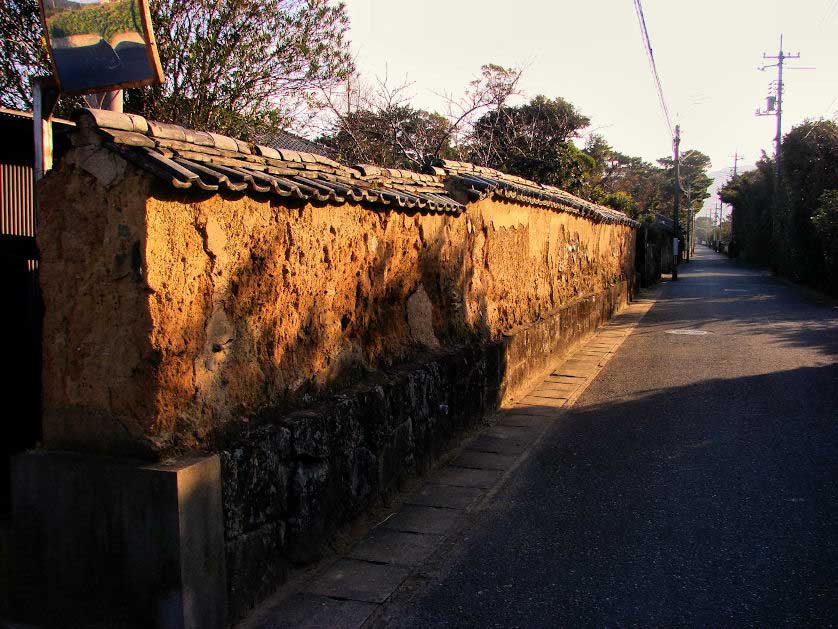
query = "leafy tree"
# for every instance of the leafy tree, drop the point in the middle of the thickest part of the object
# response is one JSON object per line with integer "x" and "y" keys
{"x": 809, "y": 169}
{"x": 792, "y": 229}
{"x": 703, "y": 227}
{"x": 621, "y": 201}
{"x": 750, "y": 194}
{"x": 533, "y": 141}
{"x": 642, "y": 181}
{"x": 377, "y": 124}
{"x": 396, "y": 137}
{"x": 695, "y": 182}
{"x": 825, "y": 222}
{"x": 21, "y": 52}
{"x": 239, "y": 66}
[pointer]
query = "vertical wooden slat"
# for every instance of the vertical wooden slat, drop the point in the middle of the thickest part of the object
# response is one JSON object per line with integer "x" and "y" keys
{"x": 3, "y": 191}
{"x": 17, "y": 202}
{"x": 17, "y": 210}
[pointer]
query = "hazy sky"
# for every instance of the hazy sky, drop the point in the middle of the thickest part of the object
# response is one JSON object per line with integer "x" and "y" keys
{"x": 590, "y": 53}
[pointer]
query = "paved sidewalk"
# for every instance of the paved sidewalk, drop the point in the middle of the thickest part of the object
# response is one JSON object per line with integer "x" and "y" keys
{"x": 352, "y": 589}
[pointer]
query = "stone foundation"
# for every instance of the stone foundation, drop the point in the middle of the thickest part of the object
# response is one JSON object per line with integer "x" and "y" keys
{"x": 289, "y": 484}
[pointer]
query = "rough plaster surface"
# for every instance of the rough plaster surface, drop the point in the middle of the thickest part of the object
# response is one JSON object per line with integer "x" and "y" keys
{"x": 170, "y": 319}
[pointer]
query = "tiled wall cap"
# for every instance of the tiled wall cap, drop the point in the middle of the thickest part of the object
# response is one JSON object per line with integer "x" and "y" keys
{"x": 166, "y": 131}
{"x": 290, "y": 156}
{"x": 322, "y": 159}
{"x": 368, "y": 170}
{"x": 201, "y": 138}
{"x": 105, "y": 119}
{"x": 224, "y": 142}
{"x": 243, "y": 147}
{"x": 267, "y": 151}
{"x": 140, "y": 123}
{"x": 154, "y": 143}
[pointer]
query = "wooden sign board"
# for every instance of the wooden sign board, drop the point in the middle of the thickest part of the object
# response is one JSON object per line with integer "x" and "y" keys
{"x": 100, "y": 45}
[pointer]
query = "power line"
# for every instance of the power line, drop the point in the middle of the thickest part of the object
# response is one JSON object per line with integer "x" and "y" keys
{"x": 674, "y": 134}
{"x": 829, "y": 14}
{"x": 647, "y": 45}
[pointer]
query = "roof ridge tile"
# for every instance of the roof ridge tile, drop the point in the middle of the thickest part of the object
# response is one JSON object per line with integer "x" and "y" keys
{"x": 184, "y": 155}
{"x": 224, "y": 142}
{"x": 166, "y": 130}
{"x": 267, "y": 151}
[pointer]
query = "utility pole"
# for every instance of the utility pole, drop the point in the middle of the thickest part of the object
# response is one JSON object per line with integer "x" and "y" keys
{"x": 732, "y": 247}
{"x": 688, "y": 218}
{"x": 736, "y": 159}
{"x": 692, "y": 243}
{"x": 675, "y": 253}
{"x": 774, "y": 107}
{"x": 111, "y": 101}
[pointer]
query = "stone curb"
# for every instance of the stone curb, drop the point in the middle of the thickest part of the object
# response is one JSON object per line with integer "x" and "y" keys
{"x": 352, "y": 589}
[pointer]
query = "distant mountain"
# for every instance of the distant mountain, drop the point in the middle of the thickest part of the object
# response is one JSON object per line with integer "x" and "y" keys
{"x": 720, "y": 178}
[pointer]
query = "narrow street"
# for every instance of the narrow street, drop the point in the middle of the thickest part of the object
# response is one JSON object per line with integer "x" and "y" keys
{"x": 693, "y": 482}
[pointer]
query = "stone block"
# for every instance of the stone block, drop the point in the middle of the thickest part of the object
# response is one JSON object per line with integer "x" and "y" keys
{"x": 546, "y": 397}
{"x": 373, "y": 409}
{"x": 359, "y": 581}
{"x": 514, "y": 419}
{"x": 309, "y": 522}
{"x": 255, "y": 565}
{"x": 427, "y": 520}
{"x": 365, "y": 480}
{"x": 397, "y": 547}
{"x": 464, "y": 477}
{"x": 108, "y": 540}
{"x": 254, "y": 480}
{"x": 310, "y": 611}
{"x": 536, "y": 407}
{"x": 488, "y": 443}
{"x": 484, "y": 460}
{"x": 446, "y": 496}
{"x": 397, "y": 458}
{"x": 310, "y": 433}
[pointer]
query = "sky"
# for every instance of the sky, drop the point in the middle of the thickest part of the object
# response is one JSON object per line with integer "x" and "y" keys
{"x": 591, "y": 53}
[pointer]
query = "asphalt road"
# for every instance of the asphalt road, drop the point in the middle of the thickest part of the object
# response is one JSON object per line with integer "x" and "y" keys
{"x": 693, "y": 483}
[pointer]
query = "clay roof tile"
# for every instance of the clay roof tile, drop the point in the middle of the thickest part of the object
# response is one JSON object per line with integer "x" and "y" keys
{"x": 224, "y": 142}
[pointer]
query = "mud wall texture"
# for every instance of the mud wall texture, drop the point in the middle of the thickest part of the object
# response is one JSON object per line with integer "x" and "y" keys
{"x": 172, "y": 322}
{"x": 324, "y": 351}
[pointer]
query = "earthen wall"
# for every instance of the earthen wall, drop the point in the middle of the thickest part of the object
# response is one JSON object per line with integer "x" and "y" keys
{"x": 324, "y": 351}
{"x": 172, "y": 319}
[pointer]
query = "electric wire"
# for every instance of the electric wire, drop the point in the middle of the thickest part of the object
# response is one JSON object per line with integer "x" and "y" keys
{"x": 829, "y": 13}
{"x": 647, "y": 45}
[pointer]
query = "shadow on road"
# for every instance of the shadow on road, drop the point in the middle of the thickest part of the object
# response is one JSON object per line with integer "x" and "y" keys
{"x": 693, "y": 483}
{"x": 713, "y": 504}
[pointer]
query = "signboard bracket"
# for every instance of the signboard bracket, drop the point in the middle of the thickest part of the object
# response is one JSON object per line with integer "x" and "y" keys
{"x": 44, "y": 99}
